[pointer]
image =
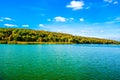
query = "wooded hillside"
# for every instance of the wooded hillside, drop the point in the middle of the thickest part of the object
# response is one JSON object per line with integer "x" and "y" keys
{"x": 27, "y": 35}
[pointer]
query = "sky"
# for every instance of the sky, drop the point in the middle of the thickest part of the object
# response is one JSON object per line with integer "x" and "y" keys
{"x": 91, "y": 18}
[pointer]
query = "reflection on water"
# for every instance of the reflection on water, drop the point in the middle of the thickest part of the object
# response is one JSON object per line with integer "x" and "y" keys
{"x": 59, "y": 62}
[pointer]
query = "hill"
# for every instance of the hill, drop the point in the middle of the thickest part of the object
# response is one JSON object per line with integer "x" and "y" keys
{"x": 25, "y": 36}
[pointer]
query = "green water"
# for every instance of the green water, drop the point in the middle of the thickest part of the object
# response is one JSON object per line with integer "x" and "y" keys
{"x": 59, "y": 62}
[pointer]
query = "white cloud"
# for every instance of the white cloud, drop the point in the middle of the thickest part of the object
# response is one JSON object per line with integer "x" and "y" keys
{"x": 10, "y": 25}
{"x": 7, "y": 18}
{"x": 25, "y": 25}
{"x": 75, "y": 5}
{"x": 48, "y": 19}
{"x": 41, "y": 25}
{"x": 81, "y": 19}
{"x": 60, "y": 19}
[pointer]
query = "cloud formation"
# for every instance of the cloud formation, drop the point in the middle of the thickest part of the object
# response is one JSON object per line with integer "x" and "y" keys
{"x": 41, "y": 25}
{"x": 60, "y": 19}
{"x": 7, "y": 18}
{"x": 64, "y": 19}
{"x": 10, "y": 25}
{"x": 116, "y": 20}
{"x": 71, "y": 19}
{"x": 76, "y": 5}
{"x": 116, "y": 2}
{"x": 48, "y": 19}
{"x": 81, "y": 19}
{"x": 111, "y": 1}
{"x": 25, "y": 25}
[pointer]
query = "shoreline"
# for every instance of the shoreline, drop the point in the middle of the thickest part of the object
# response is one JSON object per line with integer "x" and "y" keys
{"x": 23, "y": 42}
{"x": 27, "y": 36}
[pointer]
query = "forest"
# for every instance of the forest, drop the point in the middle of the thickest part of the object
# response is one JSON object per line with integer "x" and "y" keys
{"x": 15, "y": 35}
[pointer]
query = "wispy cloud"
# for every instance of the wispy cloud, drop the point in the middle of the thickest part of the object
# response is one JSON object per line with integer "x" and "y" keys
{"x": 36, "y": 8}
{"x": 5, "y": 18}
{"x": 48, "y": 19}
{"x": 25, "y": 25}
{"x": 10, "y": 25}
{"x": 116, "y": 2}
{"x": 116, "y": 20}
{"x": 88, "y": 7}
{"x": 41, "y": 25}
{"x": 76, "y": 5}
{"x": 60, "y": 19}
{"x": 71, "y": 19}
{"x": 111, "y": 1}
{"x": 42, "y": 14}
{"x": 1, "y": 20}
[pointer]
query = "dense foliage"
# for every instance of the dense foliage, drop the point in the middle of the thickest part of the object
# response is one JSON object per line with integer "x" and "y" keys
{"x": 27, "y": 35}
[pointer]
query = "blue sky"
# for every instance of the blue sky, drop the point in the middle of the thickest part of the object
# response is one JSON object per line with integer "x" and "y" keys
{"x": 92, "y": 18}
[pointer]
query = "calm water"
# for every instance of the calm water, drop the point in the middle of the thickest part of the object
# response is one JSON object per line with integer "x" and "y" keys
{"x": 59, "y": 62}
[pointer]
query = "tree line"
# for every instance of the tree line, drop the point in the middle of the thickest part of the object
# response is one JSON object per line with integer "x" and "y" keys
{"x": 28, "y": 35}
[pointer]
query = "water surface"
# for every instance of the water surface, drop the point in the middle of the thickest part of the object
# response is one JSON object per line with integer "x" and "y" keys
{"x": 59, "y": 62}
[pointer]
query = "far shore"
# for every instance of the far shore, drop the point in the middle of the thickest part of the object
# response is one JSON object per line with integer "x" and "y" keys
{"x": 23, "y": 42}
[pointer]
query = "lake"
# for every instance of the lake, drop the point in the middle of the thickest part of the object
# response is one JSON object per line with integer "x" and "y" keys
{"x": 59, "y": 62}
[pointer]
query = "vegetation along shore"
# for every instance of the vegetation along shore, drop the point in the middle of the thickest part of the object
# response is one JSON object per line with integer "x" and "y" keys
{"x": 28, "y": 36}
